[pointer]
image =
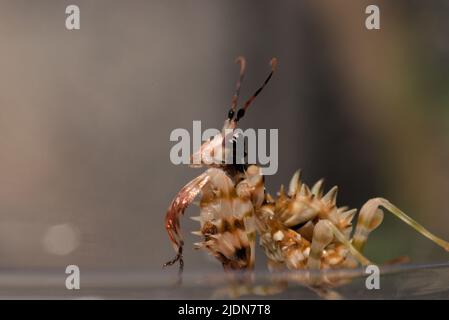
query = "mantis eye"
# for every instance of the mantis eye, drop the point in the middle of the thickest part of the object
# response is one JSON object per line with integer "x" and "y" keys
{"x": 231, "y": 114}
{"x": 240, "y": 114}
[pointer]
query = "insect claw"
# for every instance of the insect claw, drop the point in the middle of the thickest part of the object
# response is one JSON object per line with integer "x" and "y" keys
{"x": 177, "y": 258}
{"x": 197, "y": 233}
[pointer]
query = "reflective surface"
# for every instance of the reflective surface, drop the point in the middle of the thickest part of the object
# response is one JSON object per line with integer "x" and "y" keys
{"x": 398, "y": 282}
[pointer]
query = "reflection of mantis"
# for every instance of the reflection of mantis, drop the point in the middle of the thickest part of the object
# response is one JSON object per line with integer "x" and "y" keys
{"x": 302, "y": 229}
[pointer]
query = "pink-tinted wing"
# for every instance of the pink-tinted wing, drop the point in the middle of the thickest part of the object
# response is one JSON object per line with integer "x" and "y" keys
{"x": 179, "y": 204}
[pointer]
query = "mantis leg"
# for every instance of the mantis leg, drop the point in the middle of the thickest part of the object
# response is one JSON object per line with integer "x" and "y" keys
{"x": 323, "y": 234}
{"x": 371, "y": 216}
{"x": 176, "y": 210}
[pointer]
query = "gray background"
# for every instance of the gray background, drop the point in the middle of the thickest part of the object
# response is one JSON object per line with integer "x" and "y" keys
{"x": 85, "y": 117}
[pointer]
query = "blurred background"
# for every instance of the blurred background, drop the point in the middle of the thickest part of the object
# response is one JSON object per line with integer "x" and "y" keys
{"x": 85, "y": 118}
